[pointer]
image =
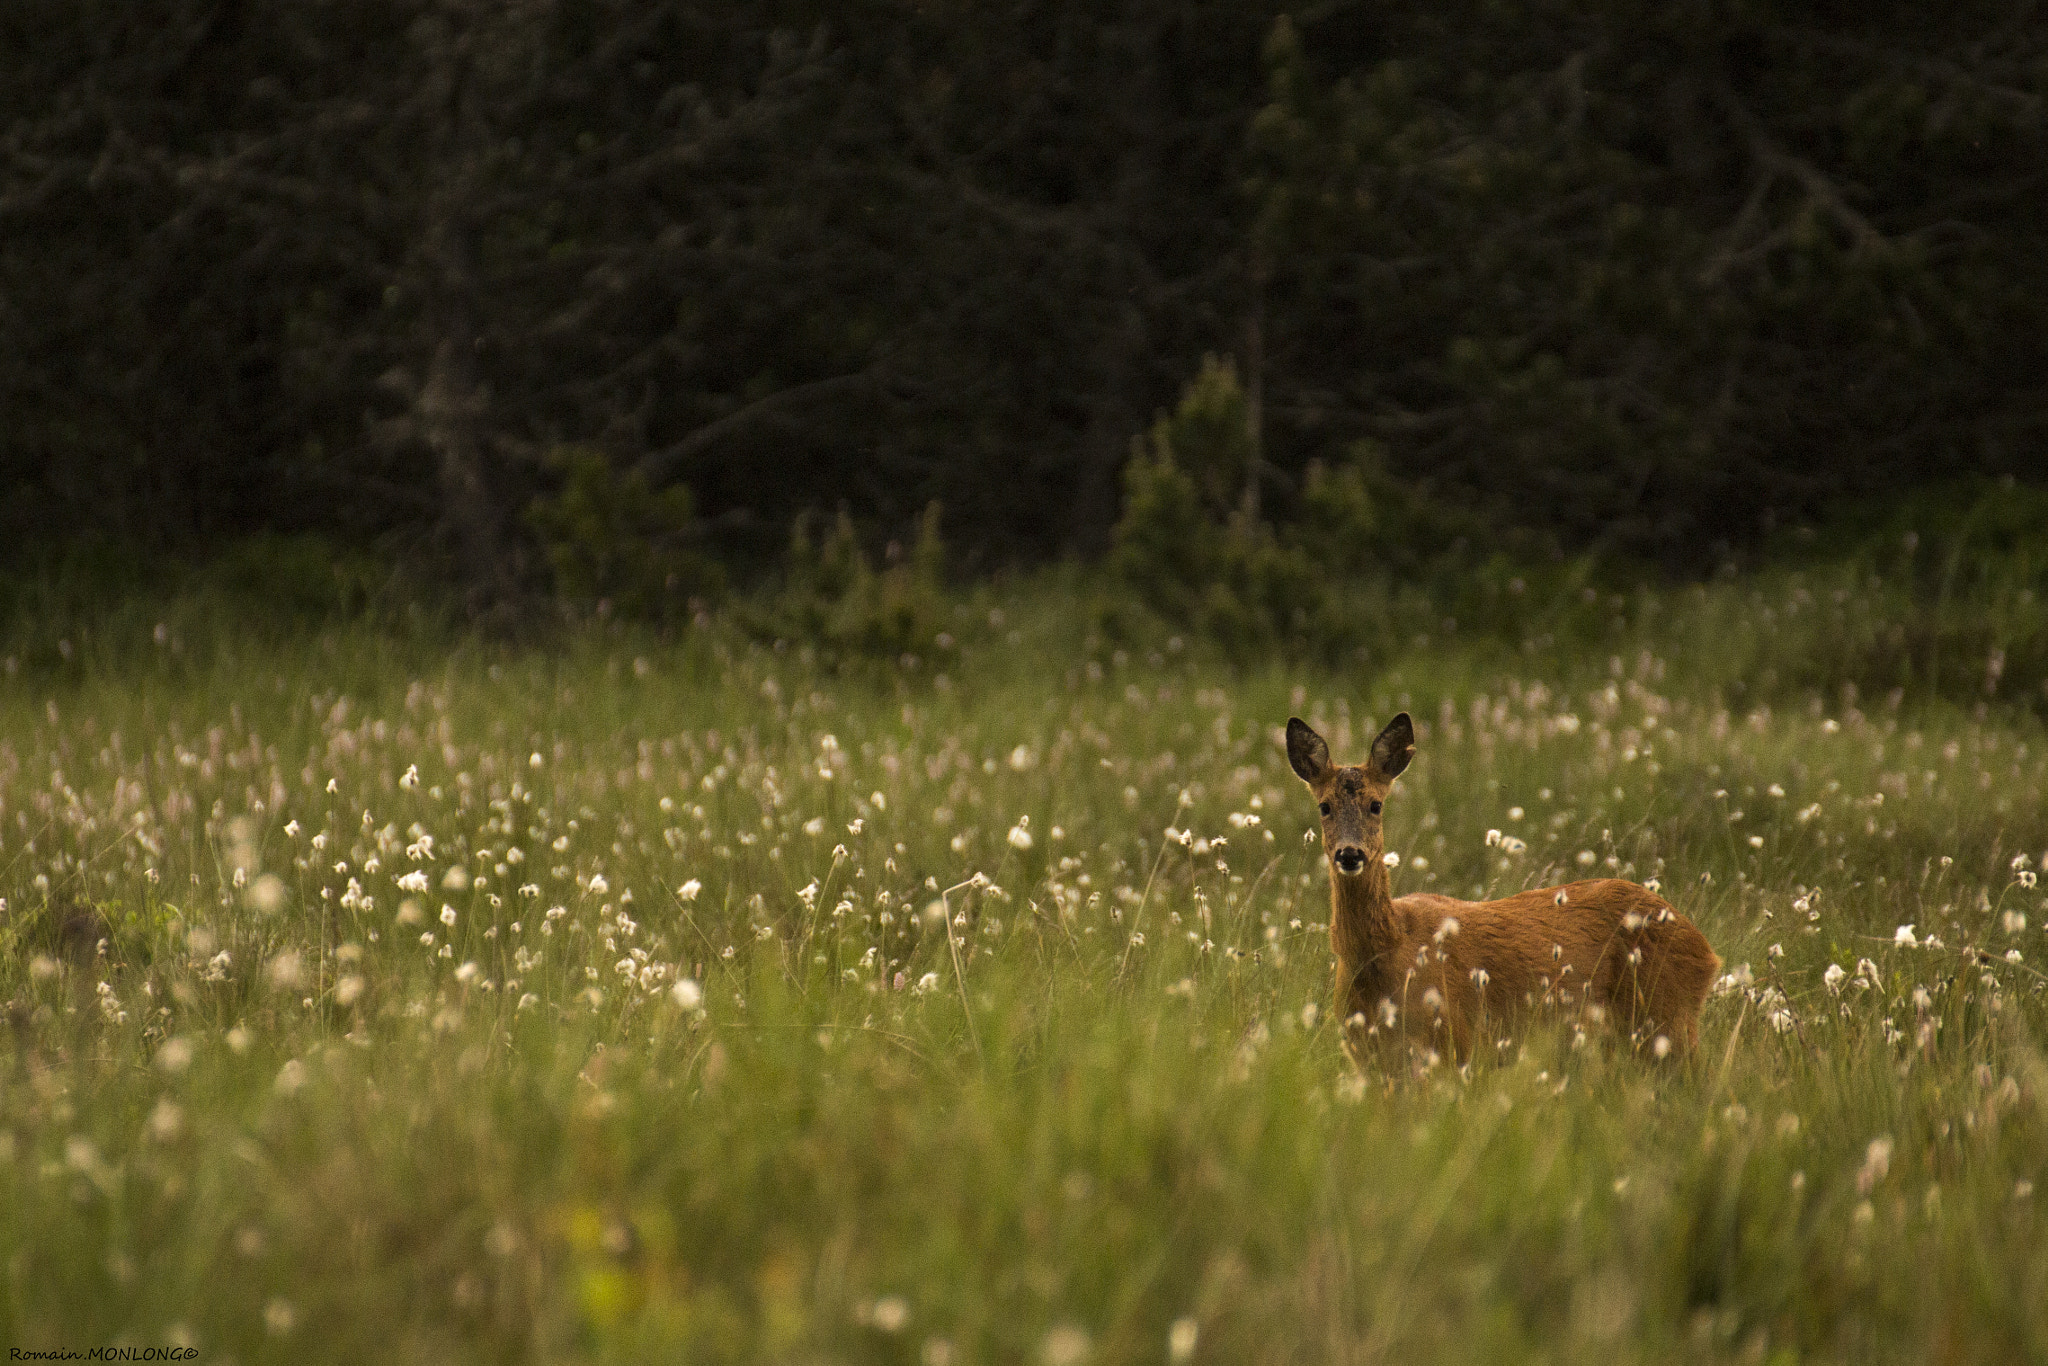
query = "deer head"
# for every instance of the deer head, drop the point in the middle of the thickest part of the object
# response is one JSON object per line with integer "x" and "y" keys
{"x": 1352, "y": 797}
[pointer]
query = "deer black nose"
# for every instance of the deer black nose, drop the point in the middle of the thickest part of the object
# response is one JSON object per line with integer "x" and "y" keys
{"x": 1349, "y": 859}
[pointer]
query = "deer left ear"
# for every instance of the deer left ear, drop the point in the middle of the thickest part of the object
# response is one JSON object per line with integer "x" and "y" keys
{"x": 1394, "y": 747}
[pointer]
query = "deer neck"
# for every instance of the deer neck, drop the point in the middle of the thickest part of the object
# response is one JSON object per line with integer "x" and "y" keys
{"x": 1362, "y": 929}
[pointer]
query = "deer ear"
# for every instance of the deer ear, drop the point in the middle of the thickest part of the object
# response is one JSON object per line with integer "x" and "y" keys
{"x": 1306, "y": 751}
{"x": 1394, "y": 747}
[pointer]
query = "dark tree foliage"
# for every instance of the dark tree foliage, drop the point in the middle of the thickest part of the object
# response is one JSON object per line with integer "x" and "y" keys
{"x": 1598, "y": 274}
{"x": 1651, "y": 276}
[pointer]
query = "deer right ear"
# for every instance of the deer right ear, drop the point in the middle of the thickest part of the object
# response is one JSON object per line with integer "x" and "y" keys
{"x": 1306, "y": 751}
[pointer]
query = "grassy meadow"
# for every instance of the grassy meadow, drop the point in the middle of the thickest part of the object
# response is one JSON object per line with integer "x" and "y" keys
{"x": 694, "y": 998}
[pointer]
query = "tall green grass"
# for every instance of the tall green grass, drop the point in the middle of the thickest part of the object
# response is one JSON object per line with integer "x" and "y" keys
{"x": 970, "y": 1006}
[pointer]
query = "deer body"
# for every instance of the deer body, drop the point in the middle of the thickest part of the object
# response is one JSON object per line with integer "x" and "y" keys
{"x": 1442, "y": 975}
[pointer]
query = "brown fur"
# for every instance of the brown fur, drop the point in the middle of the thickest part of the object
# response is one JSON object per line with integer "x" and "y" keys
{"x": 1612, "y": 949}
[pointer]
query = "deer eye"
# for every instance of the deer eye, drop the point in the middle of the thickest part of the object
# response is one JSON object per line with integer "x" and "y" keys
{"x": 1375, "y": 808}
{"x": 1326, "y": 808}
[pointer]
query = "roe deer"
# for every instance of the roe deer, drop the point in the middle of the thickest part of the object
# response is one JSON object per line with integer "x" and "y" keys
{"x": 1431, "y": 971}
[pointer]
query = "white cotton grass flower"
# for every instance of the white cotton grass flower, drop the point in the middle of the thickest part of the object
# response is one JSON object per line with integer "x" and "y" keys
{"x": 1065, "y": 1345}
{"x": 266, "y": 894}
{"x": 284, "y": 971}
{"x": 687, "y": 994}
{"x": 1181, "y": 1339}
{"x": 1020, "y": 834}
{"x": 890, "y": 1314}
{"x": 410, "y": 779}
{"x": 689, "y": 890}
{"x": 1391, "y": 859}
{"x": 1903, "y": 937}
{"x": 1832, "y": 978}
{"x": 166, "y": 1121}
{"x": 1877, "y": 1164}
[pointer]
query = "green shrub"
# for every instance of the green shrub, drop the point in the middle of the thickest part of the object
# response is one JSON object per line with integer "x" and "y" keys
{"x": 832, "y": 596}
{"x": 617, "y": 545}
{"x": 1191, "y": 549}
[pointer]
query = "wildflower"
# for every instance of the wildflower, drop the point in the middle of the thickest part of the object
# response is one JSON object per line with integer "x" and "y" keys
{"x": 1833, "y": 978}
{"x": 284, "y": 970}
{"x": 291, "y": 828}
{"x": 689, "y": 890}
{"x": 414, "y": 881}
{"x": 1492, "y": 838}
{"x": 1065, "y": 1345}
{"x": 166, "y": 1121}
{"x": 687, "y": 994}
{"x": 1181, "y": 1339}
{"x": 447, "y": 915}
{"x": 290, "y": 1077}
{"x": 598, "y": 885}
{"x": 411, "y": 778}
{"x": 890, "y": 1313}
{"x": 2014, "y": 921}
{"x": 927, "y": 983}
{"x": 1020, "y": 835}
{"x": 1903, "y": 937}
{"x": 1877, "y": 1164}
{"x": 1391, "y": 859}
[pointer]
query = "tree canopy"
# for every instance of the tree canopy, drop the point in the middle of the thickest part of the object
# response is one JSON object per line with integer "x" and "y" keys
{"x": 1564, "y": 276}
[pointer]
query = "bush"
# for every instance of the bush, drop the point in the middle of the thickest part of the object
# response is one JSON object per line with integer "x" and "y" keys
{"x": 616, "y": 545}
{"x": 834, "y": 597}
{"x": 1191, "y": 548}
